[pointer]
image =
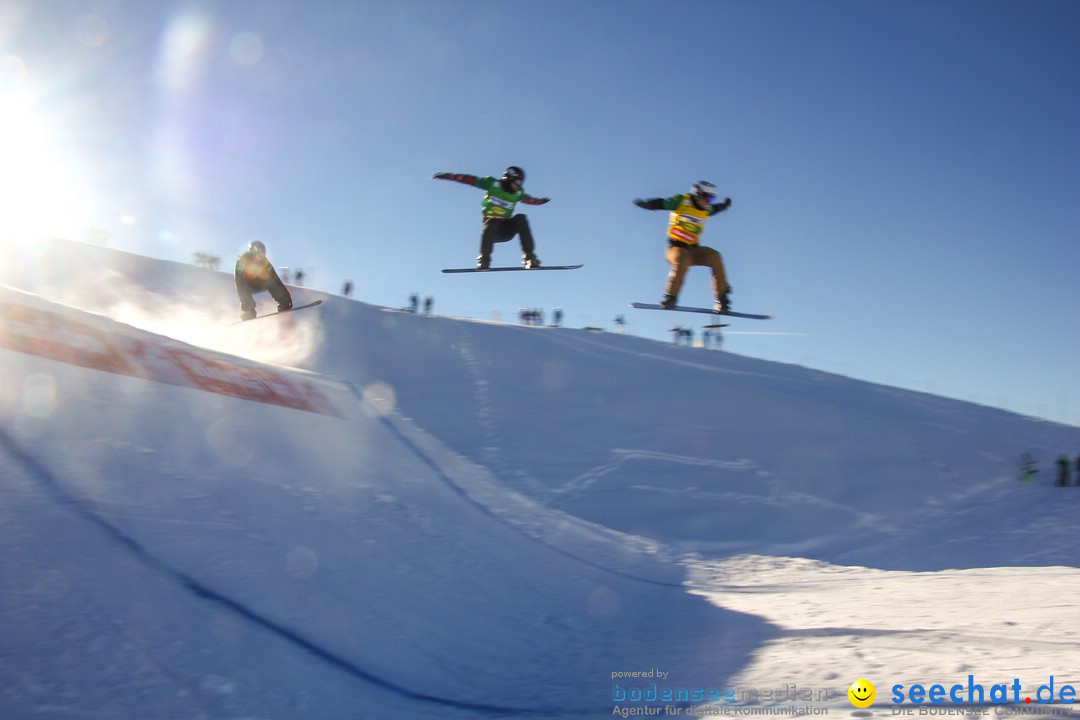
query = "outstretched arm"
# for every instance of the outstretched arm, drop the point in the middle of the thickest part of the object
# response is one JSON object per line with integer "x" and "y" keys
{"x": 456, "y": 177}
{"x": 651, "y": 204}
{"x": 530, "y": 200}
{"x": 721, "y": 207}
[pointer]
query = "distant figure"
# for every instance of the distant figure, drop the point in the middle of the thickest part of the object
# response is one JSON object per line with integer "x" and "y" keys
{"x": 207, "y": 260}
{"x": 1063, "y": 471}
{"x": 285, "y": 276}
{"x": 346, "y": 289}
{"x": 1027, "y": 468}
{"x": 556, "y": 317}
{"x": 687, "y": 222}
{"x": 429, "y": 302}
{"x": 414, "y": 302}
{"x": 531, "y": 316}
{"x": 253, "y": 274}
{"x": 620, "y": 324}
{"x": 500, "y": 223}
{"x": 677, "y": 332}
{"x": 300, "y": 277}
{"x": 718, "y": 340}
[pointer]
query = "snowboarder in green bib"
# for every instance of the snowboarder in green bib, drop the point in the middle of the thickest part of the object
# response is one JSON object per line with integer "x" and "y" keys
{"x": 688, "y": 215}
{"x": 253, "y": 274}
{"x": 500, "y": 222}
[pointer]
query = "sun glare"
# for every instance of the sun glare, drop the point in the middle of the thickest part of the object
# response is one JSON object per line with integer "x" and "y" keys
{"x": 39, "y": 188}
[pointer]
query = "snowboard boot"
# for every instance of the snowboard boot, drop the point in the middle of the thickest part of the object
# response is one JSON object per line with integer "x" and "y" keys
{"x": 247, "y": 315}
{"x": 530, "y": 261}
{"x": 283, "y": 306}
{"x": 483, "y": 262}
{"x": 723, "y": 303}
{"x": 669, "y": 302}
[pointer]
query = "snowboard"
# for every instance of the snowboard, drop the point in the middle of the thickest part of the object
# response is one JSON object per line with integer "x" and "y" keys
{"x": 281, "y": 312}
{"x": 717, "y": 325}
{"x": 508, "y": 269}
{"x": 708, "y": 311}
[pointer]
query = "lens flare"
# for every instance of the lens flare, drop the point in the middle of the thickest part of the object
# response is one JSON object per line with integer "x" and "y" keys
{"x": 39, "y": 396}
{"x": 246, "y": 49}
{"x": 380, "y": 398}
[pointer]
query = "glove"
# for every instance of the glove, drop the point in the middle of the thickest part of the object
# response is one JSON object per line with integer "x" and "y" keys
{"x": 441, "y": 176}
{"x": 639, "y": 202}
{"x": 542, "y": 201}
{"x": 725, "y": 205}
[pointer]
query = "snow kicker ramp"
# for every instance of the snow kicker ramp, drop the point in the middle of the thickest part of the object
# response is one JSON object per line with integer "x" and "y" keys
{"x": 715, "y": 453}
{"x": 187, "y": 534}
{"x": 691, "y": 450}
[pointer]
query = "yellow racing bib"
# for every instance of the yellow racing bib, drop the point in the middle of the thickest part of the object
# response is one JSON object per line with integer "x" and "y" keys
{"x": 687, "y": 222}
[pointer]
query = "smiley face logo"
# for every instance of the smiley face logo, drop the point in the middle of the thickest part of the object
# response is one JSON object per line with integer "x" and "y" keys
{"x": 862, "y": 693}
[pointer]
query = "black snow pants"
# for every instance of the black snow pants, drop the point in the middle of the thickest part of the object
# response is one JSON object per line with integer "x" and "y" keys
{"x": 497, "y": 230}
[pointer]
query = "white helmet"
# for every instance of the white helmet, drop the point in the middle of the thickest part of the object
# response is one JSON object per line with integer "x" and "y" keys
{"x": 704, "y": 190}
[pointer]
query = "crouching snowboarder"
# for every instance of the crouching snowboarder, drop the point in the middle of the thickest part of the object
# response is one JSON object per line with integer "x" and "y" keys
{"x": 253, "y": 274}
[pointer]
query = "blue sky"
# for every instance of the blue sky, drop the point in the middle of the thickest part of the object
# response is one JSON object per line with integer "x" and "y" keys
{"x": 904, "y": 174}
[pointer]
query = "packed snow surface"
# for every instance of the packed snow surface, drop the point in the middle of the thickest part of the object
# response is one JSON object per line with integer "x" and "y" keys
{"x": 353, "y": 512}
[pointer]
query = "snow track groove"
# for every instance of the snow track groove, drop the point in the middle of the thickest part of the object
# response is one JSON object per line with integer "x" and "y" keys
{"x": 54, "y": 488}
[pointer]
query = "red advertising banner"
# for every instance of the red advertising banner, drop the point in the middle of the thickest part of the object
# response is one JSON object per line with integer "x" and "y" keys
{"x": 53, "y": 335}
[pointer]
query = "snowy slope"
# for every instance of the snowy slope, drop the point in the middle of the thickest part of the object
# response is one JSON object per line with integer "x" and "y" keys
{"x": 430, "y": 517}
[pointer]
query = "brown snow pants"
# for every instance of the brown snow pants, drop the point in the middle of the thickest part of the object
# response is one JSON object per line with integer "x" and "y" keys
{"x": 681, "y": 257}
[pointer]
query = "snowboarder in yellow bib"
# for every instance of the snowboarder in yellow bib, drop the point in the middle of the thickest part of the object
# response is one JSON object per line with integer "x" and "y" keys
{"x": 688, "y": 215}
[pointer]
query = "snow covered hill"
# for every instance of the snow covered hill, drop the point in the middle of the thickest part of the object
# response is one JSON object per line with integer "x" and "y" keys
{"x": 355, "y": 512}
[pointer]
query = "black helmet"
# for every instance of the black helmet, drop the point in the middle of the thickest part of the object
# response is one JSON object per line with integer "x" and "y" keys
{"x": 514, "y": 174}
{"x": 704, "y": 190}
{"x": 257, "y": 247}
